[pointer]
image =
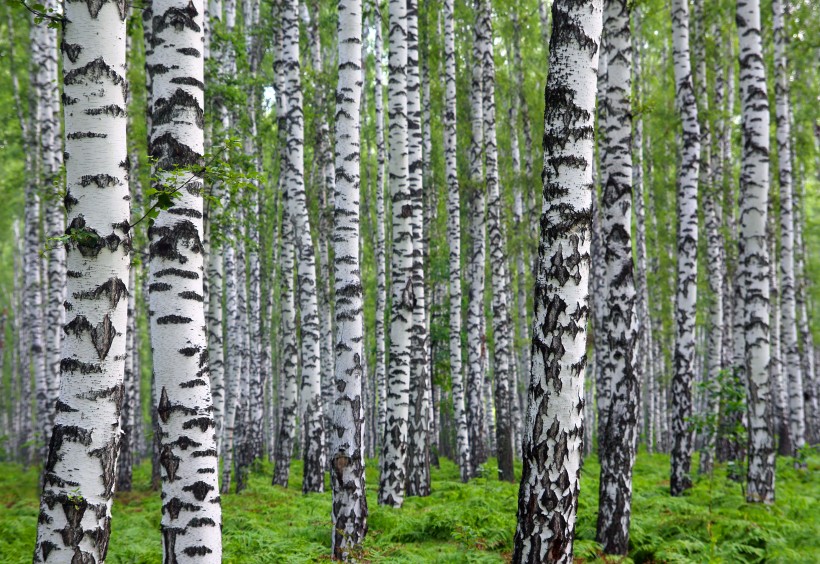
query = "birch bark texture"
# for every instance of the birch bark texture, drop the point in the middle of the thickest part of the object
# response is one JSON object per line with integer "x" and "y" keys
{"x": 79, "y": 474}
{"x": 788, "y": 305}
{"x": 346, "y": 452}
{"x": 454, "y": 239}
{"x": 619, "y": 328}
{"x": 191, "y": 512}
{"x": 754, "y": 252}
{"x": 550, "y": 482}
{"x": 394, "y": 444}
{"x": 686, "y": 284}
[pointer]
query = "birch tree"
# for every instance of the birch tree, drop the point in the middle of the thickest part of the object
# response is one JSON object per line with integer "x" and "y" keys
{"x": 347, "y": 411}
{"x": 79, "y": 474}
{"x": 550, "y": 481}
{"x": 191, "y": 514}
{"x": 454, "y": 238}
{"x": 686, "y": 284}
{"x": 619, "y": 329}
{"x": 754, "y": 252}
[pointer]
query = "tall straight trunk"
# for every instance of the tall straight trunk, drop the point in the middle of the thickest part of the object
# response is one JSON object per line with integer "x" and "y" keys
{"x": 498, "y": 259}
{"x": 778, "y": 379}
{"x": 687, "y": 266}
{"x": 51, "y": 163}
{"x": 644, "y": 361}
{"x": 79, "y": 475}
{"x": 753, "y": 251}
{"x": 380, "y": 367}
{"x": 346, "y": 452}
{"x": 619, "y": 329}
{"x": 34, "y": 360}
{"x": 394, "y": 444}
{"x": 807, "y": 356}
{"x": 475, "y": 265}
{"x": 788, "y": 306}
{"x": 454, "y": 240}
{"x": 130, "y": 413}
{"x": 288, "y": 397}
{"x": 418, "y": 440}
{"x": 550, "y": 482}
{"x": 292, "y": 169}
{"x": 187, "y": 444}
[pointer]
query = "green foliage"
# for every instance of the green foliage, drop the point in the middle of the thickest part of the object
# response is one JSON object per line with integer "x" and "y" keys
{"x": 472, "y": 522}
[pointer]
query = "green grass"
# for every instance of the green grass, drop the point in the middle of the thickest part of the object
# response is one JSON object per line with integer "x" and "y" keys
{"x": 460, "y": 523}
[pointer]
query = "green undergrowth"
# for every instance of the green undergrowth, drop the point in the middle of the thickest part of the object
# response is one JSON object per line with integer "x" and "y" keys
{"x": 472, "y": 522}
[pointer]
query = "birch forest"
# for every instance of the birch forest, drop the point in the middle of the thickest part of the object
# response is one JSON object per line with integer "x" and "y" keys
{"x": 528, "y": 281}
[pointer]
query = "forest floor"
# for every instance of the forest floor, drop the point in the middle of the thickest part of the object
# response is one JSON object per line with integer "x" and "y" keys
{"x": 472, "y": 522}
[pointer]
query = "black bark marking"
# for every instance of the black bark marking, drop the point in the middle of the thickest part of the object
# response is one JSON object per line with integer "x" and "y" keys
{"x": 199, "y": 489}
{"x": 169, "y": 538}
{"x": 178, "y": 18}
{"x": 188, "y": 351}
{"x": 114, "y": 288}
{"x": 95, "y": 71}
{"x": 190, "y": 51}
{"x": 102, "y": 336}
{"x": 169, "y": 110}
{"x": 71, "y": 50}
{"x": 187, "y": 274}
{"x": 187, "y": 212}
{"x": 86, "y": 135}
{"x": 164, "y": 407}
{"x": 101, "y": 180}
{"x": 74, "y": 274}
{"x": 202, "y": 422}
{"x": 46, "y": 547}
{"x": 204, "y": 453}
{"x": 108, "y": 460}
{"x": 74, "y": 365}
{"x": 173, "y": 320}
{"x": 109, "y": 110}
{"x": 193, "y": 383}
{"x": 197, "y": 550}
{"x": 184, "y": 443}
{"x": 175, "y": 505}
{"x": 188, "y": 295}
{"x": 170, "y": 462}
{"x": 69, "y": 201}
{"x": 61, "y": 407}
{"x": 74, "y": 509}
{"x": 201, "y": 522}
{"x": 169, "y": 152}
{"x": 159, "y": 287}
{"x": 188, "y": 81}
{"x": 77, "y": 326}
{"x": 169, "y": 239}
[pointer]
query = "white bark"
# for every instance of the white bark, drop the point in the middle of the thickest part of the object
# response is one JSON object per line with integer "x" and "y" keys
{"x": 754, "y": 253}
{"x": 687, "y": 241}
{"x": 79, "y": 478}
{"x": 454, "y": 240}
{"x": 394, "y": 444}
{"x": 548, "y": 496}
{"x": 349, "y": 511}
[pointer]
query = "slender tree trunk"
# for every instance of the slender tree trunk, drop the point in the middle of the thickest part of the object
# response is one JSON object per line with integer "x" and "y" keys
{"x": 454, "y": 240}
{"x": 753, "y": 251}
{"x": 498, "y": 259}
{"x": 347, "y": 410}
{"x": 548, "y": 497}
{"x": 381, "y": 258}
{"x": 686, "y": 285}
{"x": 475, "y": 266}
{"x": 788, "y": 306}
{"x": 394, "y": 444}
{"x": 187, "y": 444}
{"x": 619, "y": 329}
{"x": 79, "y": 476}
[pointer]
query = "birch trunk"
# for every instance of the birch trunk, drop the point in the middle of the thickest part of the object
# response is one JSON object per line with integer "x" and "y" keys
{"x": 548, "y": 496}
{"x": 788, "y": 306}
{"x": 191, "y": 521}
{"x": 346, "y": 450}
{"x": 686, "y": 284}
{"x": 753, "y": 251}
{"x": 394, "y": 444}
{"x": 476, "y": 265}
{"x": 498, "y": 260}
{"x": 619, "y": 329}
{"x": 454, "y": 240}
{"x": 79, "y": 475}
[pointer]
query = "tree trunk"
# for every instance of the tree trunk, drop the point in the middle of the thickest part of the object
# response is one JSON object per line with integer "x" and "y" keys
{"x": 753, "y": 251}
{"x": 548, "y": 497}
{"x": 394, "y": 444}
{"x": 79, "y": 476}
{"x": 475, "y": 267}
{"x": 454, "y": 240}
{"x": 788, "y": 306}
{"x": 349, "y": 511}
{"x": 686, "y": 285}
{"x": 619, "y": 328}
